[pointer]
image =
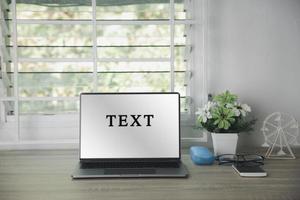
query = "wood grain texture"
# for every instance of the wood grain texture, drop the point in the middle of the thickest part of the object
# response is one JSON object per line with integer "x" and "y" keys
{"x": 30, "y": 175}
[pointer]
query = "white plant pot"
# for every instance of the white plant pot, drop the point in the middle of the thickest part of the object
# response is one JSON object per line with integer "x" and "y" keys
{"x": 224, "y": 143}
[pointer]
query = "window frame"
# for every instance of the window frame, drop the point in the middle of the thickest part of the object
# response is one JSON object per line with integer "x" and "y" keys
{"x": 191, "y": 71}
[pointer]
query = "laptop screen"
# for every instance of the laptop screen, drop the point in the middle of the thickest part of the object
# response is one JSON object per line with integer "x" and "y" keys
{"x": 129, "y": 125}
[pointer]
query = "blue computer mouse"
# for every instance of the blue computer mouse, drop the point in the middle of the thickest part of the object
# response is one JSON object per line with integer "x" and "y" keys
{"x": 201, "y": 155}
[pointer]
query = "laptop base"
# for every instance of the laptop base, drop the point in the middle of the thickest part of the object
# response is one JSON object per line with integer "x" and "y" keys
{"x": 80, "y": 173}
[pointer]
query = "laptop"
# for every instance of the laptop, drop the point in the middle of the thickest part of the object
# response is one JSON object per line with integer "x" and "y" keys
{"x": 129, "y": 135}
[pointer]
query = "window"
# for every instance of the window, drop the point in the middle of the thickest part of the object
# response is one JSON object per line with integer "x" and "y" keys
{"x": 51, "y": 52}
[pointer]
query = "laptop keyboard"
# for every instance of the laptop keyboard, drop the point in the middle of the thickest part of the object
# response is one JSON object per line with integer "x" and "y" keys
{"x": 85, "y": 165}
{"x": 113, "y": 171}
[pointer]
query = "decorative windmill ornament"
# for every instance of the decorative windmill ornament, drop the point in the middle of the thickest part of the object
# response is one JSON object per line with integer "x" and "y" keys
{"x": 280, "y": 131}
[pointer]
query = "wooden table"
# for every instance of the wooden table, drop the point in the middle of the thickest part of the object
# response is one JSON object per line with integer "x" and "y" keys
{"x": 45, "y": 174}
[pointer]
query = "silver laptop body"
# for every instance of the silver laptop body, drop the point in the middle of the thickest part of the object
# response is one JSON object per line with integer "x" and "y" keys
{"x": 129, "y": 135}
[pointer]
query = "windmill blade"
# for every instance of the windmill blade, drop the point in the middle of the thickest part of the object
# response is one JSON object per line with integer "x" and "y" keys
{"x": 271, "y": 124}
{"x": 294, "y": 125}
{"x": 292, "y": 122}
{"x": 264, "y": 129}
{"x": 277, "y": 119}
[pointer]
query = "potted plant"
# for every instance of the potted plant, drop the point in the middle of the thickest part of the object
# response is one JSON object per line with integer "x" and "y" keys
{"x": 224, "y": 117}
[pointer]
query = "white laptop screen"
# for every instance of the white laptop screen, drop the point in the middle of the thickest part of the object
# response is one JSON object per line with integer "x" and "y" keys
{"x": 116, "y": 126}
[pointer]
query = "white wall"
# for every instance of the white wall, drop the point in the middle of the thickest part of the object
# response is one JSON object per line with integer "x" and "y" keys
{"x": 254, "y": 51}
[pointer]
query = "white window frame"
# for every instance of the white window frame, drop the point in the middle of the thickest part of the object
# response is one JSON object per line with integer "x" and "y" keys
{"x": 196, "y": 77}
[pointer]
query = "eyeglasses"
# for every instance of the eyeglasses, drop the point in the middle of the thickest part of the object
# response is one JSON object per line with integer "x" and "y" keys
{"x": 241, "y": 159}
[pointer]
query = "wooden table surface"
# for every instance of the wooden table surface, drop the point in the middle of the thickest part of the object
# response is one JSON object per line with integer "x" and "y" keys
{"x": 45, "y": 174}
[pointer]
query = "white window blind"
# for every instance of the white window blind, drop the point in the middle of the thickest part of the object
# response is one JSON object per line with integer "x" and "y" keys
{"x": 51, "y": 51}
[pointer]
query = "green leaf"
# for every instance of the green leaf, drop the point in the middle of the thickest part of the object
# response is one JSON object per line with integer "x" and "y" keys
{"x": 221, "y": 124}
{"x": 217, "y": 122}
{"x": 226, "y": 125}
{"x": 231, "y": 120}
{"x": 225, "y": 98}
{"x": 200, "y": 119}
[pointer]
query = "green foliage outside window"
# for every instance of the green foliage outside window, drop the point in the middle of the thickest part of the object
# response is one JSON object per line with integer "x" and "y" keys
{"x": 58, "y": 79}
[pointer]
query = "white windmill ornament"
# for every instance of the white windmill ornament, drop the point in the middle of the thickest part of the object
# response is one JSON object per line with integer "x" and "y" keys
{"x": 280, "y": 130}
